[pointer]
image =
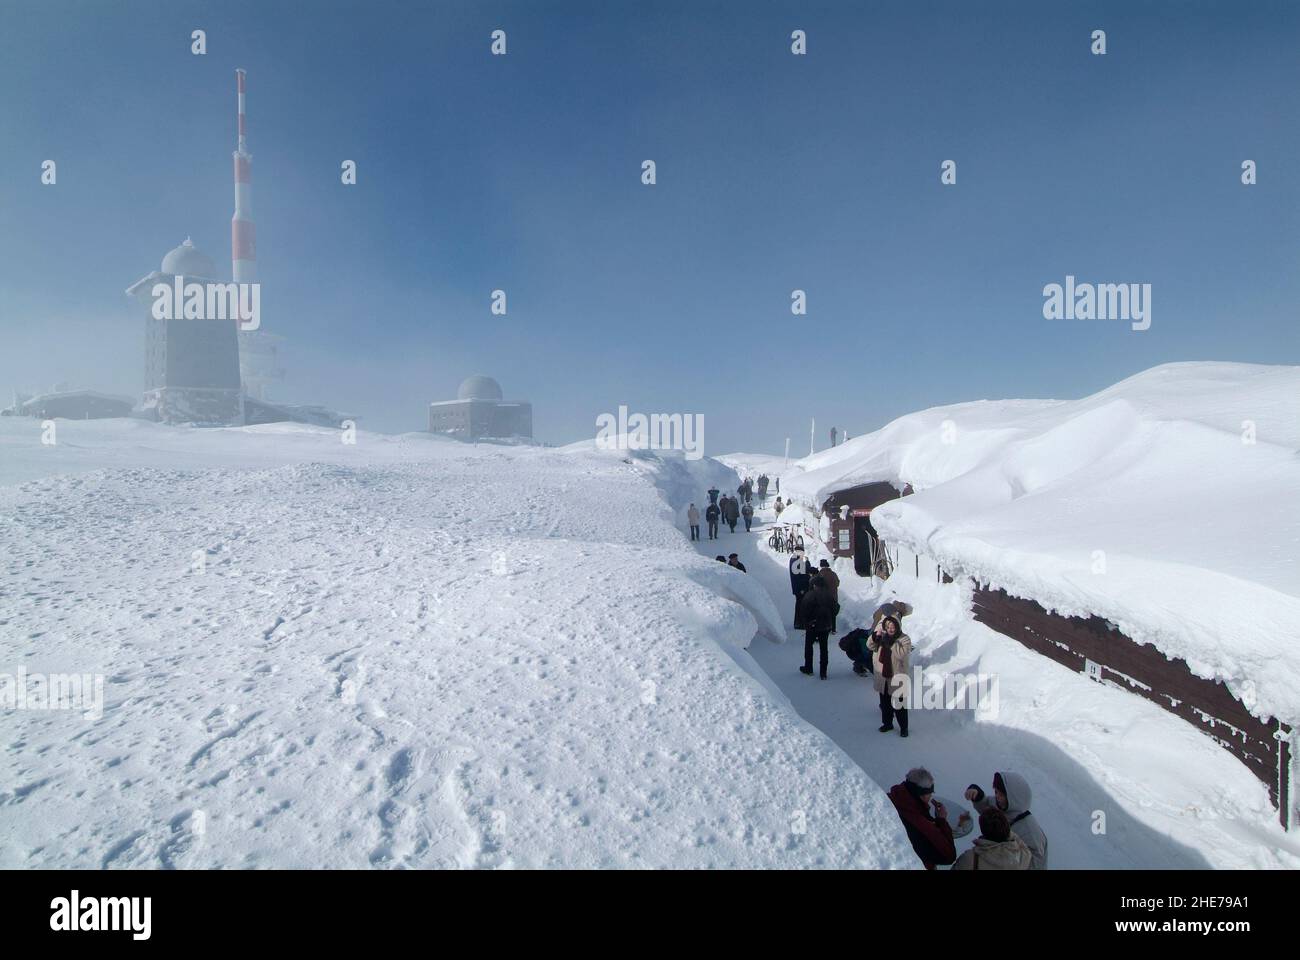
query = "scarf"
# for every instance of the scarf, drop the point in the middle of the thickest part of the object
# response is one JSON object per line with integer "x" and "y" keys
{"x": 886, "y": 656}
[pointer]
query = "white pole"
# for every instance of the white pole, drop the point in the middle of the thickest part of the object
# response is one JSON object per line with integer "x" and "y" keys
{"x": 812, "y": 437}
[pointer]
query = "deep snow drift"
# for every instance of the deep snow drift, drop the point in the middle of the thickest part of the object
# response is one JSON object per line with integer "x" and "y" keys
{"x": 407, "y": 652}
{"x": 1183, "y": 483}
{"x": 1168, "y": 503}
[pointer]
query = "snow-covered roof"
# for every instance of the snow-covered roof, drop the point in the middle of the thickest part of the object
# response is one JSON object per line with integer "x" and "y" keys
{"x": 1168, "y": 503}
{"x": 41, "y": 398}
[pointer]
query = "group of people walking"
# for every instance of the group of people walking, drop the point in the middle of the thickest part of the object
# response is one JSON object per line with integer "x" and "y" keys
{"x": 749, "y": 485}
{"x": 1010, "y": 838}
{"x": 722, "y": 509}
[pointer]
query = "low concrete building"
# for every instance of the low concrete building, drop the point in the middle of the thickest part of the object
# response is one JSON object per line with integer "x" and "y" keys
{"x": 72, "y": 405}
{"x": 480, "y": 412}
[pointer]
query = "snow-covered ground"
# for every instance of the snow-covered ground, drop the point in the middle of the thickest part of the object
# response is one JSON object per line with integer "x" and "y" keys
{"x": 1166, "y": 503}
{"x": 406, "y": 652}
{"x": 1170, "y": 796}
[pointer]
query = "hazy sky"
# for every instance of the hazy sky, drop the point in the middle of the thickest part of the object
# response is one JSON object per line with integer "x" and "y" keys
{"x": 775, "y": 172}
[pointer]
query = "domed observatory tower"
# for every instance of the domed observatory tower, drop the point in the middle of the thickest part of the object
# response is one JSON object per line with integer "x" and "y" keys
{"x": 480, "y": 412}
{"x": 191, "y": 366}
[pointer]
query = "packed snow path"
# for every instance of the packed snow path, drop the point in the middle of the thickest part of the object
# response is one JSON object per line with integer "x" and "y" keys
{"x": 1084, "y": 748}
{"x": 407, "y": 653}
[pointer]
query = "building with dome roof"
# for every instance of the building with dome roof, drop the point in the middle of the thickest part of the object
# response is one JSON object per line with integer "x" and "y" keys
{"x": 481, "y": 412}
{"x": 191, "y": 366}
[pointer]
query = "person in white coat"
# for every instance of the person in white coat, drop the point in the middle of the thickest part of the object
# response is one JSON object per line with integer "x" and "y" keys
{"x": 997, "y": 848}
{"x": 693, "y": 518}
{"x": 891, "y": 651}
{"x": 1011, "y": 795}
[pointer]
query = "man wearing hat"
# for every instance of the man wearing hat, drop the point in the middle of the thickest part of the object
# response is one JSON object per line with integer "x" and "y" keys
{"x": 930, "y": 833}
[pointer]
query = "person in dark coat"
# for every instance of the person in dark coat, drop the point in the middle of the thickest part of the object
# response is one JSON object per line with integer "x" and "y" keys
{"x": 817, "y": 611}
{"x": 731, "y": 513}
{"x": 854, "y": 645}
{"x": 747, "y": 511}
{"x": 713, "y": 495}
{"x": 832, "y": 581}
{"x": 762, "y": 488}
{"x": 711, "y": 515}
{"x": 734, "y": 561}
{"x": 799, "y": 577}
{"x": 930, "y": 833}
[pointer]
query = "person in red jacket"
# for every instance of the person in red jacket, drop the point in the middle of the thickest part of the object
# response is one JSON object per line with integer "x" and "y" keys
{"x": 930, "y": 834}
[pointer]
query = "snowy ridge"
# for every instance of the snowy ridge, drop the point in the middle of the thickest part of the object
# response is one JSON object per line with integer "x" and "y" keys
{"x": 404, "y": 653}
{"x": 1165, "y": 503}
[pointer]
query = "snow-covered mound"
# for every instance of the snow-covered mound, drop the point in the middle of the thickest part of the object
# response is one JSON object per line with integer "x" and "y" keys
{"x": 1168, "y": 503}
{"x": 403, "y": 652}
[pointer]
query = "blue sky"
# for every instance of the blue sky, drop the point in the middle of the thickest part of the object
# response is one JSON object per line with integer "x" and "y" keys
{"x": 775, "y": 172}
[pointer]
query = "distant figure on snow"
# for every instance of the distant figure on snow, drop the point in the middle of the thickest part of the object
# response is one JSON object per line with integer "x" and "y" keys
{"x": 930, "y": 833}
{"x": 713, "y": 494}
{"x": 747, "y": 511}
{"x": 779, "y": 506}
{"x": 732, "y": 513}
{"x": 1011, "y": 795}
{"x": 711, "y": 515}
{"x": 693, "y": 518}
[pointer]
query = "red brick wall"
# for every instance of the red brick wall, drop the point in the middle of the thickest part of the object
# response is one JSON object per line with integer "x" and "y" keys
{"x": 1207, "y": 704}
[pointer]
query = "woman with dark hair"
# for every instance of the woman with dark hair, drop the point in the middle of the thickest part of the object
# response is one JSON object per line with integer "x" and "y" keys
{"x": 891, "y": 652}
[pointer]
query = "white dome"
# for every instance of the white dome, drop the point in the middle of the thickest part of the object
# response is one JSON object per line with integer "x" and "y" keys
{"x": 186, "y": 260}
{"x": 479, "y": 388}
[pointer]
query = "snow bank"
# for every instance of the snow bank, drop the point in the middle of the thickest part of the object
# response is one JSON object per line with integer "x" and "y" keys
{"x": 406, "y": 652}
{"x": 1166, "y": 503}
